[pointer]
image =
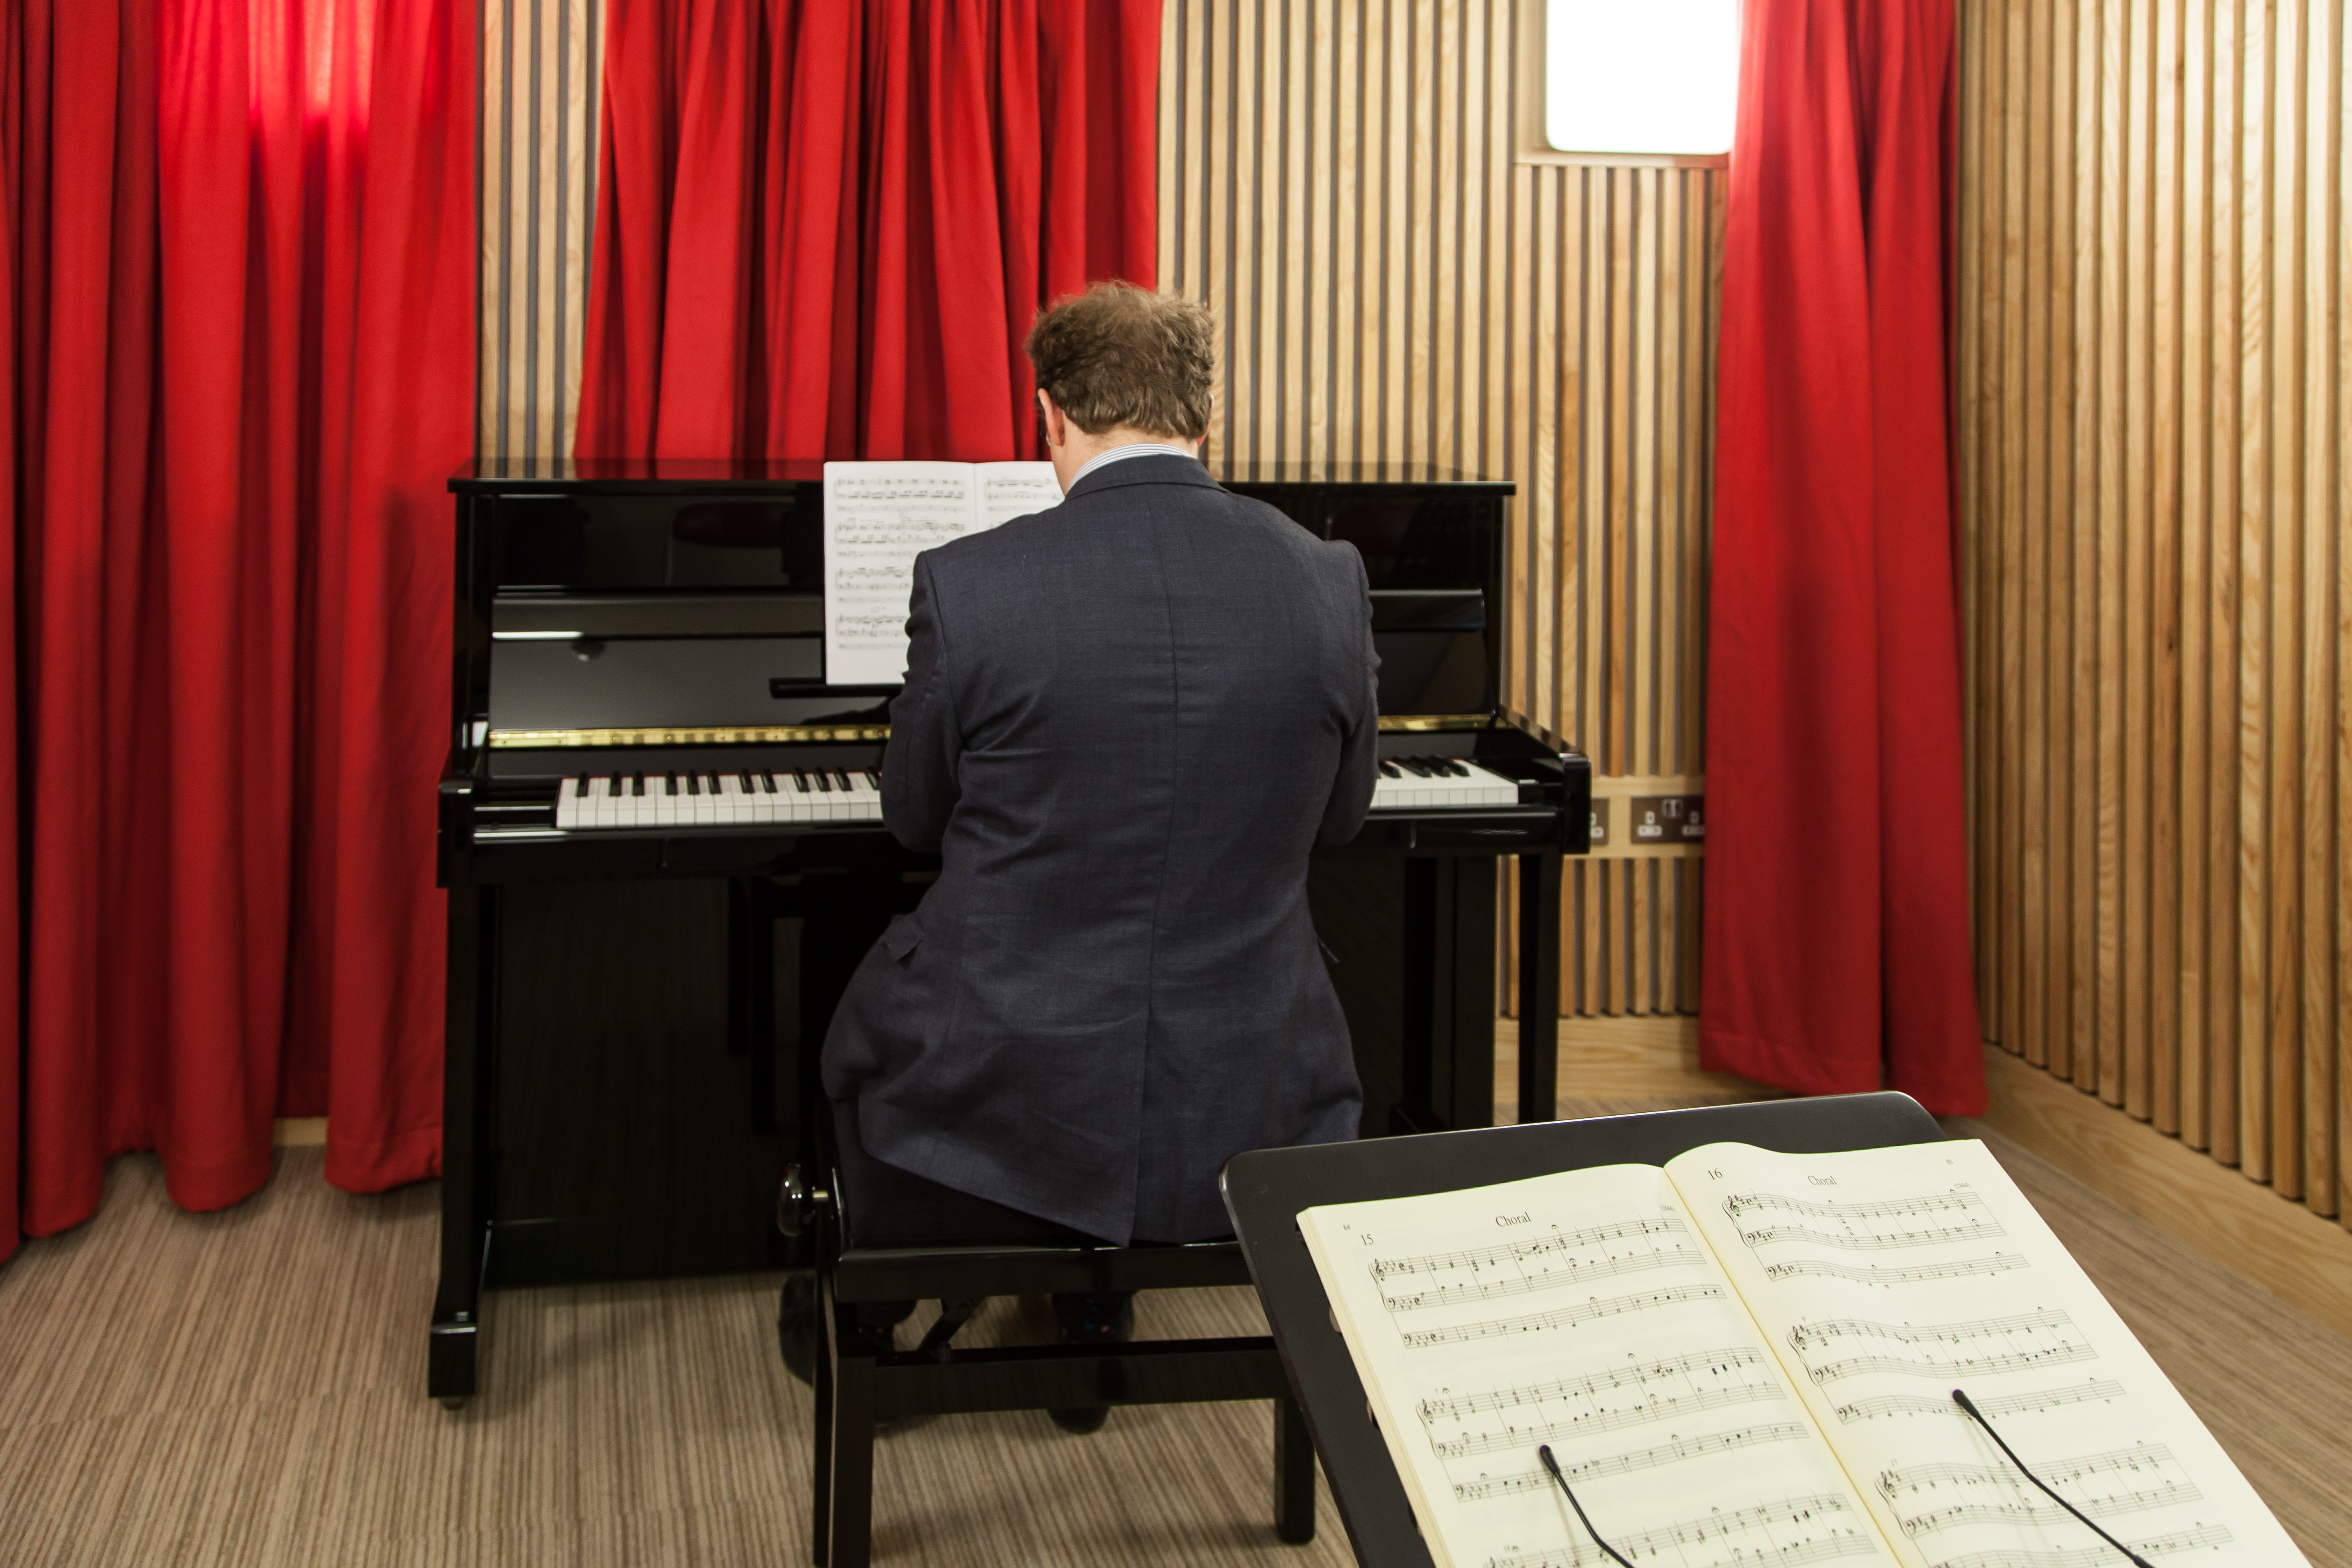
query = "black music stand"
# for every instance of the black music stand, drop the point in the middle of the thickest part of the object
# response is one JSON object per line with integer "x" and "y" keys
{"x": 1266, "y": 1190}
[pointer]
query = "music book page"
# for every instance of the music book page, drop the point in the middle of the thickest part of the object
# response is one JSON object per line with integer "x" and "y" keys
{"x": 1748, "y": 1359}
{"x": 878, "y": 518}
{"x": 1890, "y": 1276}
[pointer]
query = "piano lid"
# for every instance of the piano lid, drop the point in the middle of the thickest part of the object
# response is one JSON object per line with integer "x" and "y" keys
{"x": 622, "y": 473}
{"x": 630, "y": 473}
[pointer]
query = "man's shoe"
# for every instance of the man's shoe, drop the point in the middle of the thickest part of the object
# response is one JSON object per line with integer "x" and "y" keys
{"x": 1091, "y": 1320}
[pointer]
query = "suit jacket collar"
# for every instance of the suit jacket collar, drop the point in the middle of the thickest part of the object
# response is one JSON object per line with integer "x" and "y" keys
{"x": 1158, "y": 468}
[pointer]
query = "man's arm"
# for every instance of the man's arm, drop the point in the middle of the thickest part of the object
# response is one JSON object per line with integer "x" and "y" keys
{"x": 918, "y": 767}
{"x": 1360, "y": 740}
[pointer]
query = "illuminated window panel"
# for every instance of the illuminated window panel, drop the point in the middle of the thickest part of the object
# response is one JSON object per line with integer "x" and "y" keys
{"x": 1657, "y": 77}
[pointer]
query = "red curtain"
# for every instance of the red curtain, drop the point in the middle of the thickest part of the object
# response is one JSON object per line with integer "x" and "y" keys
{"x": 237, "y": 277}
{"x": 1836, "y": 940}
{"x": 823, "y": 226}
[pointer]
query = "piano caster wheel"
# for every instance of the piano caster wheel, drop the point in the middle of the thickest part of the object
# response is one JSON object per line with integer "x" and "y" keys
{"x": 452, "y": 1401}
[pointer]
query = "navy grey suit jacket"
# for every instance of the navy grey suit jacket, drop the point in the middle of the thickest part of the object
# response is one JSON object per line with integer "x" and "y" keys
{"x": 1126, "y": 723}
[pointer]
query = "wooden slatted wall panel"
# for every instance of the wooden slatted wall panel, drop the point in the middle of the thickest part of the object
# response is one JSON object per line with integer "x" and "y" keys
{"x": 2153, "y": 343}
{"x": 1339, "y": 182}
{"x": 542, "y": 66}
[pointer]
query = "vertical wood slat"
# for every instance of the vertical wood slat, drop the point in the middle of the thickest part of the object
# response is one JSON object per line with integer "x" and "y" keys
{"x": 2155, "y": 479}
{"x": 1339, "y": 183}
{"x": 542, "y": 65}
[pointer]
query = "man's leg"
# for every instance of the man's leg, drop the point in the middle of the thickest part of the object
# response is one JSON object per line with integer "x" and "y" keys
{"x": 1104, "y": 1317}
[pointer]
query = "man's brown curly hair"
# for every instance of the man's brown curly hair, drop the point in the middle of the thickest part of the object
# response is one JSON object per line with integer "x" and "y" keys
{"x": 1119, "y": 355}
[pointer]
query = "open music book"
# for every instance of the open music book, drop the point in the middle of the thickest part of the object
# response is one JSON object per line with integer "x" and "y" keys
{"x": 878, "y": 518}
{"x": 1747, "y": 1358}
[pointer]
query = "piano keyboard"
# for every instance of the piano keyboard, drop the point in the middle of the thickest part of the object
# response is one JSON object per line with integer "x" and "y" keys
{"x": 1423, "y": 783}
{"x": 719, "y": 799}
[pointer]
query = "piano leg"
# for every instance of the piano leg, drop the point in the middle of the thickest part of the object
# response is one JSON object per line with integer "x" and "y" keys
{"x": 466, "y": 1145}
{"x": 1539, "y": 987}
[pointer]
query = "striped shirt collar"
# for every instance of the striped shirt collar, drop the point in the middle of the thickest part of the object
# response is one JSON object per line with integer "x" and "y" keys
{"x": 1133, "y": 449}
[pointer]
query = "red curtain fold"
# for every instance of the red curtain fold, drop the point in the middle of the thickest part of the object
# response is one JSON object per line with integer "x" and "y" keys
{"x": 1836, "y": 953}
{"x": 238, "y": 275}
{"x": 823, "y": 226}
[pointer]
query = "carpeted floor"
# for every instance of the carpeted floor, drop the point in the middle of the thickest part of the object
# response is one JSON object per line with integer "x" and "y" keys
{"x": 247, "y": 1388}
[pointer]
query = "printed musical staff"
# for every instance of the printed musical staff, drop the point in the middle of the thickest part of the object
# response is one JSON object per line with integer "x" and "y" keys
{"x": 1536, "y": 1481}
{"x": 1565, "y": 1317}
{"x": 872, "y": 625}
{"x": 2102, "y": 1485}
{"x": 2097, "y": 1392}
{"x": 1989, "y": 1347}
{"x": 1777, "y": 1535}
{"x": 1930, "y": 1219}
{"x": 2193, "y": 1539}
{"x": 1597, "y": 1402}
{"x": 1913, "y": 1274}
{"x": 1538, "y": 1263}
{"x": 2087, "y": 1471}
{"x": 868, "y": 490}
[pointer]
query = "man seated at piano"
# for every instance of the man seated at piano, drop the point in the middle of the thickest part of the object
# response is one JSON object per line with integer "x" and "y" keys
{"x": 1126, "y": 723}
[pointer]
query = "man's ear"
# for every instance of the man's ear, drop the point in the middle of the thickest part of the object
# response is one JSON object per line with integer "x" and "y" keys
{"x": 1057, "y": 429}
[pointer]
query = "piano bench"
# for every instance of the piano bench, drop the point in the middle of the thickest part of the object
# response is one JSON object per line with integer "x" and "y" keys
{"x": 860, "y": 1380}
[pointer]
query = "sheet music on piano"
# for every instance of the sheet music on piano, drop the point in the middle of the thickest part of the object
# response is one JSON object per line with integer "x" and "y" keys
{"x": 878, "y": 518}
{"x": 1746, "y": 1358}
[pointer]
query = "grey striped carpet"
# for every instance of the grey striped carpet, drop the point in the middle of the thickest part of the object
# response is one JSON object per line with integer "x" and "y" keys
{"x": 247, "y": 1388}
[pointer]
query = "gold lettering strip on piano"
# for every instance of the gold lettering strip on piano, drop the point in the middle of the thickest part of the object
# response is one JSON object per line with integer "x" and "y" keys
{"x": 1418, "y": 722}
{"x": 771, "y": 735}
{"x": 788, "y": 734}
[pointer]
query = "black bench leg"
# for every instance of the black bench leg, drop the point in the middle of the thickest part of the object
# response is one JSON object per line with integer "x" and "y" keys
{"x": 820, "y": 1506}
{"x": 849, "y": 1457}
{"x": 1293, "y": 1475}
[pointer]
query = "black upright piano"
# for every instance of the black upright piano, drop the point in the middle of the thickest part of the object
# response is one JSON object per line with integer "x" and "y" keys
{"x": 664, "y": 854}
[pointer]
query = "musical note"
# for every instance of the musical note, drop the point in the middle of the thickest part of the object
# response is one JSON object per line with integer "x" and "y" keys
{"x": 2000, "y": 1405}
{"x": 1986, "y": 1348}
{"x": 1930, "y": 1219}
{"x": 2118, "y": 1481}
{"x": 2189, "y": 1540}
{"x": 1777, "y": 1535}
{"x": 1583, "y": 1313}
{"x": 1536, "y": 1481}
{"x": 1540, "y": 1263}
{"x": 1914, "y": 1274}
{"x": 1704, "y": 1380}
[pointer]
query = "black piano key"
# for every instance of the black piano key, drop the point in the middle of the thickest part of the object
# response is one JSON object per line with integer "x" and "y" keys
{"x": 824, "y": 782}
{"x": 873, "y": 778}
{"x": 669, "y": 784}
{"x": 746, "y": 782}
{"x": 1415, "y": 766}
{"x": 1390, "y": 771}
{"x": 613, "y": 785}
{"x": 800, "y": 782}
{"x": 841, "y": 781}
{"x": 1455, "y": 769}
{"x": 636, "y": 784}
{"x": 767, "y": 782}
{"x": 694, "y": 783}
{"x": 710, "y": 785}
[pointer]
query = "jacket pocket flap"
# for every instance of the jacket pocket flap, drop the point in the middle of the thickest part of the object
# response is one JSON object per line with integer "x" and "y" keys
{"x": 902, "y": 937}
